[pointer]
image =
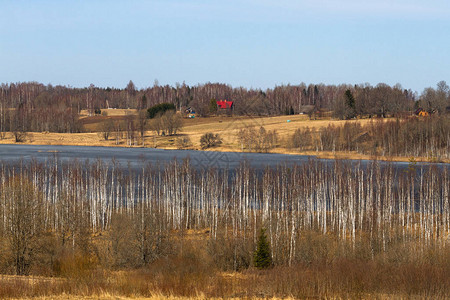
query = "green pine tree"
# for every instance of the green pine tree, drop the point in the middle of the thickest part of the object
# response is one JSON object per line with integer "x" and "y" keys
{"x": 143, "y": 102}
{"x": 350, "y": 102}
{"x": 213, "y": 106}
{"x": 262, "y": 257}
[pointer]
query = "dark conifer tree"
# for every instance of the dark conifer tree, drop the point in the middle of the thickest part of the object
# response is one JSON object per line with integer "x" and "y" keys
{"x": 262, "y": 257}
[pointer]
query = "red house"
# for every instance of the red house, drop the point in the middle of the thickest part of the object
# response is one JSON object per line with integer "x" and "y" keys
{"x": 224, "y": 104}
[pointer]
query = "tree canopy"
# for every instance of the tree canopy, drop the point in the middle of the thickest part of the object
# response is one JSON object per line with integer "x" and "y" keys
{"x": 159, "y": 109}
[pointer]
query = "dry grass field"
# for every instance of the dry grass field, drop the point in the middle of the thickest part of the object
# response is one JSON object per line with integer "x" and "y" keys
{"x": 113, "y": 112}
{"x": 48, "y": 285}
{"x": 227, "y": 127}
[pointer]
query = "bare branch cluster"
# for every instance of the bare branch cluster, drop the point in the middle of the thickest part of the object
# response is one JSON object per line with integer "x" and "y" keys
{"x": 209, "y": 140}
{"x": 413, "y": 137}
{"x": 365, "y": 207}
{"x": 260, "y": 140}
{"x": 168, "y": 123}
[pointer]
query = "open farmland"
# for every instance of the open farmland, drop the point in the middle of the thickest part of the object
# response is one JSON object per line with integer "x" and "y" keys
{"x": 226, "y": 127}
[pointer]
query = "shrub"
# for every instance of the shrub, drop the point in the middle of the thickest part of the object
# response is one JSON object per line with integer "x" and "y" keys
{"x": 209, "y": 140}
{"x": 261, "y": 140}
{"x": 20, "y": 136}
{"x": 232, "y": 253}
{"x": 159, "y": 109}
{"x": 167, "y": 124}
{"x": 106, "y": 128}
{"x": 327, "y": 138}
{"x": 184, "y": 142}
{"x": 301, "y": 139}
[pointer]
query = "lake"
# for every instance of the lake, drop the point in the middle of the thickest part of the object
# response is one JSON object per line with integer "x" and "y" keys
{"x": 135, "y": 157}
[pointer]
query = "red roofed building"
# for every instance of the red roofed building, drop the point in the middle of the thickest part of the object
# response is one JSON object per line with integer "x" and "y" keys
{"x": 224, "y": 104}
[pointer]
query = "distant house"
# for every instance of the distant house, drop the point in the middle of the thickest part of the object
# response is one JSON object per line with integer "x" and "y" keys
{"x": 190, "y": 112}
{"x": 307, "y": 109}
{"x": 225, "y": 106}
{"x": 421, "y": 112}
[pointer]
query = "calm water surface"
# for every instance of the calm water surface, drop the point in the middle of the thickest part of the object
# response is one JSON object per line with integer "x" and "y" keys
{"x": 136, "y": 157}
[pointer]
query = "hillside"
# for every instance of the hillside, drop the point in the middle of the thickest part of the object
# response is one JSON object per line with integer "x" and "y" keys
{"x": 227, "y": 127}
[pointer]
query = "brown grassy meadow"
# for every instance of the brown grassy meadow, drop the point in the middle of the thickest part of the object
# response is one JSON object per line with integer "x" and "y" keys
{"x": 227, "y": 127}
{"x": 189, "y": 275}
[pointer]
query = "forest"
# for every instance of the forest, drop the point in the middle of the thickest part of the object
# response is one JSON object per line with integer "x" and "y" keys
{"x": 411, "y": 138}
{"x": 177, "y": 230}
{"x": 32, "y": 106}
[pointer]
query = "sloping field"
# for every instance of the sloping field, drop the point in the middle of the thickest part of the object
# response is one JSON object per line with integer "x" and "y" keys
{"x": 227, "y": 127}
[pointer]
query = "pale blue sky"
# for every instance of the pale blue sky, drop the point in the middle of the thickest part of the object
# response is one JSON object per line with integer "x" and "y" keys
{"x": 246, "y": 43}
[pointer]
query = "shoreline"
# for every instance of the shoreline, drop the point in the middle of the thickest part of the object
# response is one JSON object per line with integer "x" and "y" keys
{"x": 337, "y": 155}
{"x": 227, "y": 127}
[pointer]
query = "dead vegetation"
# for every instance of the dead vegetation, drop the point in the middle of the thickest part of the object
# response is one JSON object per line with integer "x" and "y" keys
{"x": 190, "y": 274}
{"x": 408, "y": 138}
{"x": 296, "y": 134}
{"x": 341, "y": 231}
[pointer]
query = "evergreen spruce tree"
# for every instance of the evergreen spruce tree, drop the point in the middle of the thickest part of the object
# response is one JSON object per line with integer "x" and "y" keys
{"x": 350, "y": 102}
{"x": 213, "y": 106}
{"x": 143, "y": 102}
{"x": 262, "y": 257}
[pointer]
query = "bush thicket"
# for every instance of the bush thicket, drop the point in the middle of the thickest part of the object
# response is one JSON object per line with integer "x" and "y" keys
{"x": 159, "y": 109}
{"x": 427, "y": 137}
{"x": 261, "y": 140}
{"x": 209, "y": 140}
{"x": 167, "y": 123}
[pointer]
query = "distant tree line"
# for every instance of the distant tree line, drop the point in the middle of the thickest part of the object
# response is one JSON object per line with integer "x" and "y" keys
{"x": 383, "y": 100}
{"x": 429, "y": 137}
{"x": 33, "y": 106}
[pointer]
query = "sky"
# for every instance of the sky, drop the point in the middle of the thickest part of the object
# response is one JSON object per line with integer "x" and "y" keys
{"x": 249, "y": 43}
